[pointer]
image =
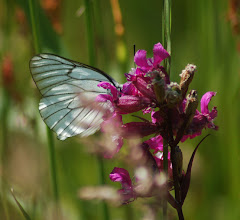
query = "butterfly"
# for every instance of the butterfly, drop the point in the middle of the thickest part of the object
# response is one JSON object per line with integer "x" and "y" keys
{"x": 69, "y": 90}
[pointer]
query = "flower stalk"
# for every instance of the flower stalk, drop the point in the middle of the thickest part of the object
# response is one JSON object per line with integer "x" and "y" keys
{"x": 51, "y": 149}
{"x": 166, "y": 37}
{"x": 92, "y": 60}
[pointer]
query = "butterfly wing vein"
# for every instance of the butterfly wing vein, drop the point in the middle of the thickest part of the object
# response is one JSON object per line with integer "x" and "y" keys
{"x": 69, "y": 91}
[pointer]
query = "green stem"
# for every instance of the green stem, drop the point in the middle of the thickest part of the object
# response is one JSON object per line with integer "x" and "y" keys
{"x": 102, "y": 181}
{"x": 89, "y": 30}
{"x": 101, "y": 35}
{"x": 34, "y": 26}
{"x": 4, "y": 119}
{"x": 166, "y": 30}
{"x": 165, "y": 168}
{"x": 7, "y": 26}
{"x": 52, "y": 153}
{"x": 52, "y": 158}
{"x": 166, "y": 41}
{"x": 91, "y": 52}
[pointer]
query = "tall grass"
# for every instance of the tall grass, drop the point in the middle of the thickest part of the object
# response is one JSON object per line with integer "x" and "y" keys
{"x": 201, "y": 35}
{"x": 166, "y": 42}
{"x": 52, "y": 153}
{"x": 92, "y": 62}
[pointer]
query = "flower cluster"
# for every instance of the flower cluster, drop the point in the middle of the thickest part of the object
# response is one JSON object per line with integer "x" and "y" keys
{"x": 174, "y": 114}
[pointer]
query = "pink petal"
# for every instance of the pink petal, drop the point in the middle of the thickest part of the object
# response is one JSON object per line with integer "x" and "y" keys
{"x": 104, "y": 98}
{"x": 140, "y": 59}
{"x": 113, "y": 89}
{"x": 118, "y": 141}
{"x": 129, "y": 104}
{"x": 138, "y": 129}
{"x": 206, "y": 98}
{"x": 159, "y": 53}
{"x": 129, "y": 89}
{"x": 155, "y": 143}
{"x": 213, "y": 113}
{"x": 156, "y": 117}
{"x": 121, "y": 175}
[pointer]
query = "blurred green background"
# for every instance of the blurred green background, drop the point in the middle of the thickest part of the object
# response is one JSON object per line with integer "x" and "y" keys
{"x": 204, "y": 33}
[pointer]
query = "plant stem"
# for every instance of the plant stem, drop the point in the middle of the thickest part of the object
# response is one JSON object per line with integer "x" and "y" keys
{"x": 52, "y": 153}
{"x": 176, "y": 183}
{"x": 52, "y": 158}
{"x": 166, "y": 30}
{"x": 166, "y": 41}
{"x": 4, "y": 119}
{"x": 34, "y": 26}
{"x": 101, "y": 181}
{"x": 6, "y": 102}
{"x": 165, "y": 168}
{"x": 91, "y": 52}
{"x": 89, "y": 32}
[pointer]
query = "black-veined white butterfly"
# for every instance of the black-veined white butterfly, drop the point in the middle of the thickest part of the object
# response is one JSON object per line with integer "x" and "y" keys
{"x": 69, "y": 90}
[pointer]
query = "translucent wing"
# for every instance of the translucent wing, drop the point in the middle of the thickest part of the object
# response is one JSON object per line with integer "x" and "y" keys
{"x": 69, "y": 90}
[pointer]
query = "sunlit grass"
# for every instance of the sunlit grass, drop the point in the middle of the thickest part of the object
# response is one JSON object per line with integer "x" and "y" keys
{"x": 201, "y": 35}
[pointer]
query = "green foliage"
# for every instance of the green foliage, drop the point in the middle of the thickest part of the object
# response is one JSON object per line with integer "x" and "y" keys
{"x": 201, "y": 34}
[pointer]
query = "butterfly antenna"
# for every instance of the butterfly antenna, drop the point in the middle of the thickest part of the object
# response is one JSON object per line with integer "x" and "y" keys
{"x": 134, "y": 51}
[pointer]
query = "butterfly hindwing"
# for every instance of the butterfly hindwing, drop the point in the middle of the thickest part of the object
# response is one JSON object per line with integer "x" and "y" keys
{"x": 69, "y": 90}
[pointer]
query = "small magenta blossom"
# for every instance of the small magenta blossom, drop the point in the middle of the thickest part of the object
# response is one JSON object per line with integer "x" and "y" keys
{"x": 112, "y": 125}
{"x": 123, "y": 104}
{"x": 121, "y": 175}
{"x": 149, "y": 64}
{"x": 203, "y": 119}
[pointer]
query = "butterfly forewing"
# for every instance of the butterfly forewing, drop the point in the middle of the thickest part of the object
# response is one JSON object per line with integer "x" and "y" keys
{"x": 69, "y": 91}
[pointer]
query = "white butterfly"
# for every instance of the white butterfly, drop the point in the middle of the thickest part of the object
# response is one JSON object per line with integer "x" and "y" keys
{"x": 69, "y": 90}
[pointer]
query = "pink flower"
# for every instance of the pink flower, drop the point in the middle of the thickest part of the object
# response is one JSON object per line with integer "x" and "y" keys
{"x": 121, "y": 175}
{"x": 143, "y": 85}
{"x": 138, "y": 129}
{"x": 203, "y": 119}
{"x": 123, "y": 104}
{"x": 148, "y": 64}
{"x": 155, "y": 143}
{"x": 112, "y": 126}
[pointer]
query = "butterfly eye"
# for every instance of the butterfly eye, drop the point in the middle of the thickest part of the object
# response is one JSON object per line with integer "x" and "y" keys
{"x": 69, "y": 90}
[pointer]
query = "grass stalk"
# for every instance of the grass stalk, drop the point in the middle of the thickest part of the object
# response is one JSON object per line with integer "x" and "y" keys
{"x": 51, "y": 149}
{"x": 7, "y": 26}
{"x": 166, "y": 30}
{"x": 165, "y": 168}
{"x": 4, "y": 119}
{"x": 166, "y": 41}
{"x": 91, "y": 52}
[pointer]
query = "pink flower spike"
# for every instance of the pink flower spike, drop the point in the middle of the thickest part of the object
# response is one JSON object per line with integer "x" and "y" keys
{"x": 206, "y": 98}
{"x": 121, "y": 175}
{"x": 159, "y": 53}
{"x": 141, "y": 60}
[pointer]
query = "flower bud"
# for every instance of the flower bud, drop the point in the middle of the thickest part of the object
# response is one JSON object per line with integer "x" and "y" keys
{"x": 173, "y": 94}
{"x": 130, "y": 104}
{"x": 143, "y": 84}
{"x": 191, "y": 106}
{"x": 186, "y": 78}
{"x": 179, "y": 160}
